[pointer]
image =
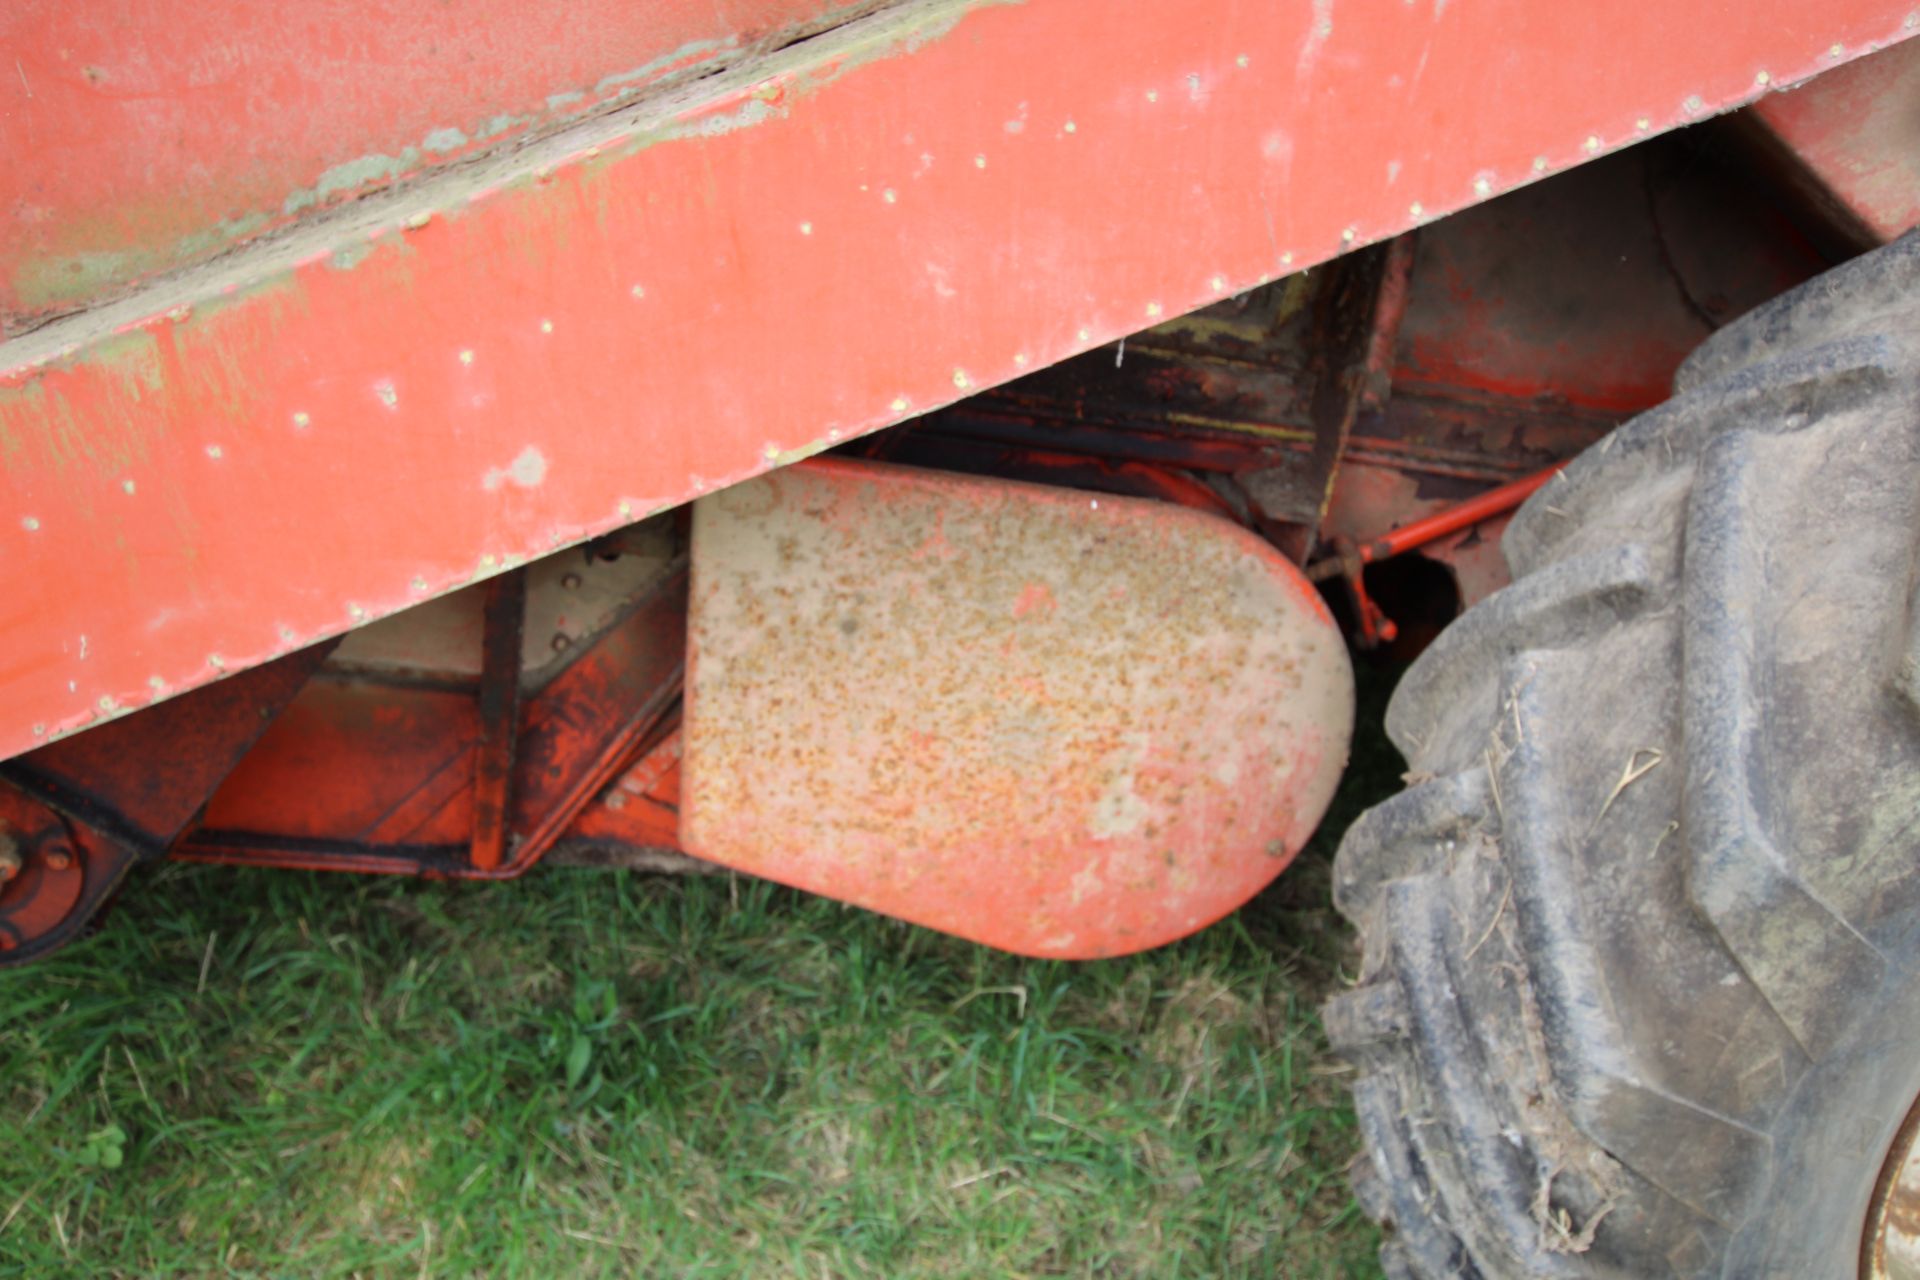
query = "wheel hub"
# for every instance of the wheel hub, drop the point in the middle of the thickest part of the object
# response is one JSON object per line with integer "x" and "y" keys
{"x": 1891, "y": 1250}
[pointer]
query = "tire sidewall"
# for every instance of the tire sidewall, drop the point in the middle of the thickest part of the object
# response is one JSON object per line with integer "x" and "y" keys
{"x": 1830, "y": 1139}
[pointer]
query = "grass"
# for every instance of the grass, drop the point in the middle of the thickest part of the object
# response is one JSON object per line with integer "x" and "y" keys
{"x": 588, "y": 1073}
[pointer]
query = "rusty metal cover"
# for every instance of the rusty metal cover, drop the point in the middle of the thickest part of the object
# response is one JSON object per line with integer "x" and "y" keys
{"x": 1062, "y": 724}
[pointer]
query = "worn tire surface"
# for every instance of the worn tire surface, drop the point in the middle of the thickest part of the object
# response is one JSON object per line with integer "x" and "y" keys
{"x": 1639, "y": 994}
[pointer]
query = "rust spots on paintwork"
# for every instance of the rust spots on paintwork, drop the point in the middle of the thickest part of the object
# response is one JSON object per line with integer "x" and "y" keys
{"x": 1034, "y": 598}
{"x": 1060, "y": 726}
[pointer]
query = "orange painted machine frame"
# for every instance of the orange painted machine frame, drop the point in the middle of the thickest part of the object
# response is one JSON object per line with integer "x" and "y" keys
{"x": 418, "y": 358}
{"x": 284, "y": 351}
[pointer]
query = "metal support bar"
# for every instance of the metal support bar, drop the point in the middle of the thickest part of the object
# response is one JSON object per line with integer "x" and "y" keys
{"x": 574, "y": 736}
{"x": 505, "y": 616}
{"x": 1348, "y": 561}
{"x": 1356, "y": 324}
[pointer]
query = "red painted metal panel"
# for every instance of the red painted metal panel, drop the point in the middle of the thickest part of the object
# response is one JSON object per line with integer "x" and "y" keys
{"x": 361, "y": 775}
{"x": 1059, "y": 724}
{"x": 1548, "y": 292}
{"x": 515, "y": 355}
{"x": 143, "y": 780}
{"x": 313, "y": 778}
{"x": 161, "y": 133}
{"x": 1857, "y": 132}
{"x": 642, "y": 807}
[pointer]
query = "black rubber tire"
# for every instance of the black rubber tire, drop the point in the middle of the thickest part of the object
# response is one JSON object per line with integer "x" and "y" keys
{"x": 1638, "y": 996}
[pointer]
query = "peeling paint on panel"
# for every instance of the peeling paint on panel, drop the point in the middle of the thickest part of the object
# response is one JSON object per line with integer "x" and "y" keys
{"x": 745, "y": 116}
{"x": 1319, "y": 28}
{"x": 740, "y": 343}
{"x": 443, "y": 141}
{"x": 352, "y": 175}
{"x": 500, "y": 124}
{"x": 129, "y": 210}
{"x": 528, "y": 470}
{"x": 48, "y": 281}
{"x": 627, "y": 82}
{"x": 349, "y": 256}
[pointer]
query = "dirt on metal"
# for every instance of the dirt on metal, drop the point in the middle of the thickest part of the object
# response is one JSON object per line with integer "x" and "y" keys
{"x": 1061, "y": 724}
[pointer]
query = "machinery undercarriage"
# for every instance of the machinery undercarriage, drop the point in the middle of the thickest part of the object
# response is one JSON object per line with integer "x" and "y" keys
{"x": 1366, "y": 425}
{"x": 947, "y": 456}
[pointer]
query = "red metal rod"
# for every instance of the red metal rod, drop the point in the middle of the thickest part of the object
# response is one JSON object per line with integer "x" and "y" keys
{"x": 1483, "y": 506}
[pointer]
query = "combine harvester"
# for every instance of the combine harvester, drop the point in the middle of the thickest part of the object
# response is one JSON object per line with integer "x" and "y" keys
{"x": 937, "y": 454}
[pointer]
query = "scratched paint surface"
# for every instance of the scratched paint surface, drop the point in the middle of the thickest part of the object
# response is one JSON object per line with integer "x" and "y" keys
{"x": 1058, "y": 724}
{"x": 415, "y": 392}
{"x": 161, "y": 133}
